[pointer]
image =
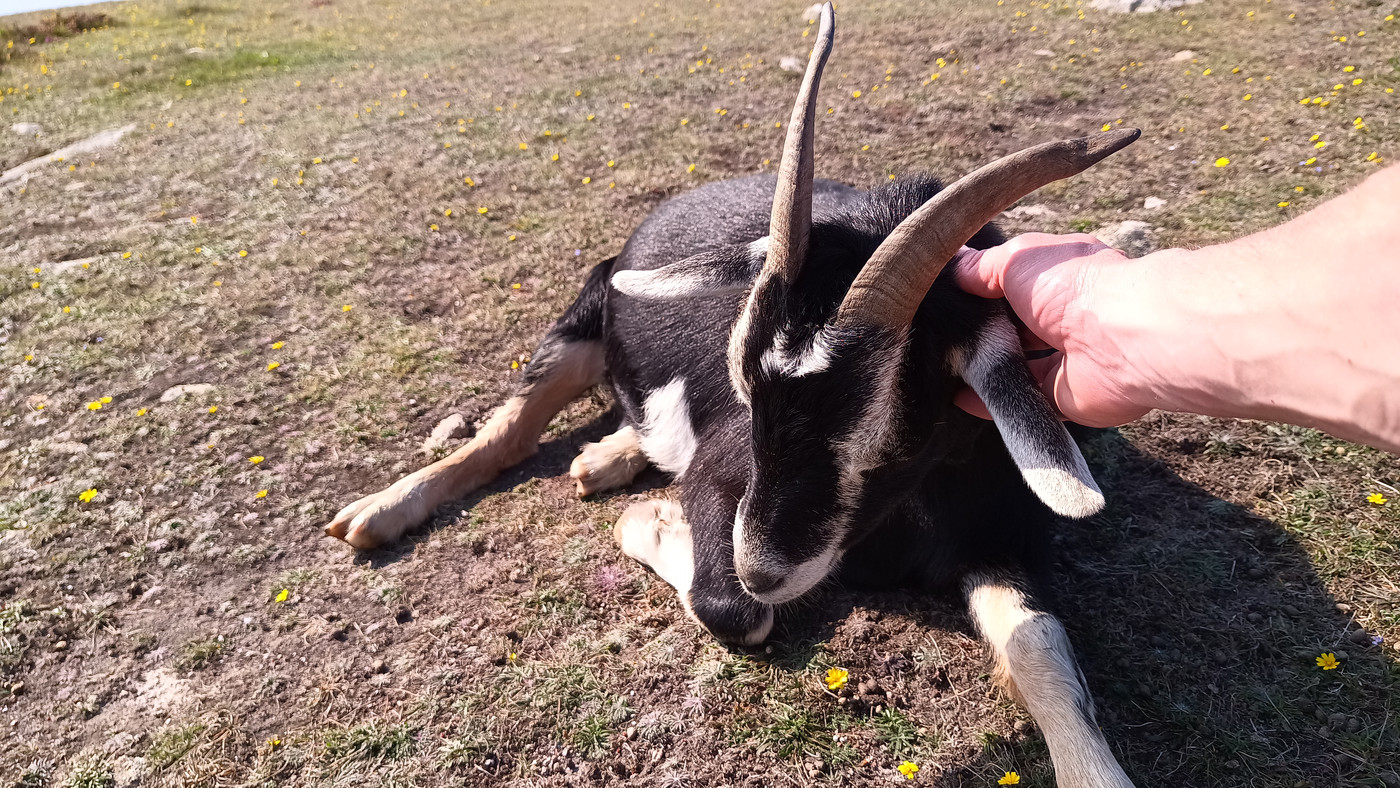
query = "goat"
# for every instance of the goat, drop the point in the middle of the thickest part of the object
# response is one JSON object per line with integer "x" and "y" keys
{"x": 787, "y": 349}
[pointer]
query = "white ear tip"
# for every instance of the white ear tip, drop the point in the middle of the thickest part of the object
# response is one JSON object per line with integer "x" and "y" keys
{"x": 1066, "y": 494}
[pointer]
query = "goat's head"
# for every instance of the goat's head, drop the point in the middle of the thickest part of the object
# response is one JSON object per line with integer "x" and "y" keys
{"x": 820, "y": 372}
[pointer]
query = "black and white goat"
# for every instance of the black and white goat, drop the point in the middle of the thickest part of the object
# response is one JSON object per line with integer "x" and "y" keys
{"x": 786, "y": 348}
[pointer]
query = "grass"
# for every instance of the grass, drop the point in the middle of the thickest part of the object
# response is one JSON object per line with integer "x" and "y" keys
{"x": 1230, "y": 556}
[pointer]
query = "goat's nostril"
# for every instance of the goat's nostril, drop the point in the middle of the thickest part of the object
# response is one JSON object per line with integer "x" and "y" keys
{"x": 761, "y": 582}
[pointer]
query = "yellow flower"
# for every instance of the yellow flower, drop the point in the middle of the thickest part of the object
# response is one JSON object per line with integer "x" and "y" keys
{"x": 106, "y": 400}
{"x": 1106, "y": 127}
{"x": 587, "y": 180}
{"x": 213, "y": 408}
{"x": 140, "y": 411}
{"x": 1283, "y": 204}
{"x": 278, "y": 345}
{"x": 482, "y": 210}
{"x": 86, "y": 496}
{"x": 523, "y": 146}
{"x": 1327, "y": 661}
{"x": 260, "y": 494}
{"x": 1357, "y": 81}
{"x": 189, "y": 82}
{"x": 691, "y": 168}
{"x": 1349, "y": 69}
{"x": 94, "y": 406}
{"x": 1377, "y": 499}
{"x": 909, "y": 769}
{"x": 194, "y": 220}
{"x": 1010, "y": 778}
{"x": 256, "y": 458}
{"x": 284, "y": 593}
{"x": 855, "y": 94}
{"x": 433, "y": 227}
{"x": 836, "y": 678}
{"x": 1222, "y": 162}
{"x": 242, "y": 252}
{"x": 447, "y": 212}
{"x": 126, "y": 255}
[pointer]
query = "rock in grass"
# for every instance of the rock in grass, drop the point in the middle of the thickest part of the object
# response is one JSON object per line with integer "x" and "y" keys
{"x": 450, "y": 428}
{"x": 794, "y": 64}
{"x": 26, "y": 129}
{"x": 1154, "y": 203}
{"x": 193, "y": 389}
{"x": 1140, "y": 6}
{"x": 1132, "y": 237}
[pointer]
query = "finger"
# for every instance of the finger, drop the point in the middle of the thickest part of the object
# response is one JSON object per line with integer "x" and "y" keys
{"x": 969, "y": 274}
{"x": 968, "y": 400}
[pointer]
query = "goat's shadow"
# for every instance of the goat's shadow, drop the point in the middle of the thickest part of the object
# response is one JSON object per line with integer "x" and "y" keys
{"x": 1198, "y": 625}
{"x": 1196, "y": 622}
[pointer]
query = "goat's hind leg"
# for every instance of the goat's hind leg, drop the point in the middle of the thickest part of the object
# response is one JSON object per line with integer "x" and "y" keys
{"x": 1035, "y": 664}
{"x": 561, "y": 370}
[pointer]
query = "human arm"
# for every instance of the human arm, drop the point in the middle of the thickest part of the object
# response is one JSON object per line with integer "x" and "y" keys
{"x": 1299, "y": 323}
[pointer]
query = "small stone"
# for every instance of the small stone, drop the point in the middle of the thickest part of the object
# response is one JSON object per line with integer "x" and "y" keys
{"x": 1360, "y": 637}
{"x": 1027, "y": 212}
{"x": 192, "y": 389}
{"x": 1132, "y": 237}
{"x": 1353, "y": 725}
{"x": 1254, "y": 618}
{"x": 450, "y": 428}
{"x": 632, "y": 733}
{"x": 1044, "y": 53}
{"x": 813, "y": 13}
{"x": 1140, "y": 6}
{"x": 378, "y": 666}
{"x": 1154, "y": 203}
{"x": 26, "y": 129}
{"x": 1336, "y": 720}
{"x": 1020, "y": 726}
{"x": 159, "y": 545}
{"x": 1183, "y": 56}
{"x": 17, "y": 688}
{"x": 793, "y": 64}
{"x": 61, "y": 645}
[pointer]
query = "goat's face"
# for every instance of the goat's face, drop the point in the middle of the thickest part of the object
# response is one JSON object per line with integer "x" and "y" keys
{"x": 824, "y": 409}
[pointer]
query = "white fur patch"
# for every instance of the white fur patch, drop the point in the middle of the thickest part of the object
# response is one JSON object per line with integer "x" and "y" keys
{"x": 781, "y": 360}
{"x": 1066, "y": 487}
{"x": 668, "y": 438}
{"x": 1033, "y": 652}
{"x": 658, "y": 283}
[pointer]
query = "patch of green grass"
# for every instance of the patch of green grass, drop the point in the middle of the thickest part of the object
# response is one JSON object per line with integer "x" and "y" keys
{"x": 169, "y": 745}
{"x": 592, "y": 734}
{"x": 373, "y": 741}
{"x": 895, "y": 731}
{"x": 200, "y": 653}
{"x": 90, "y": 773}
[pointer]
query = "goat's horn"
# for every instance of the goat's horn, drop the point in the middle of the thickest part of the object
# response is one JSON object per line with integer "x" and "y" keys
{"x": 893, "y": 283}
{"x": 791, "y": 221}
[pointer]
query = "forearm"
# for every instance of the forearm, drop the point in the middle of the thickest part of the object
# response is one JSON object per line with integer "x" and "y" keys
{"x": 1299, "y": 323}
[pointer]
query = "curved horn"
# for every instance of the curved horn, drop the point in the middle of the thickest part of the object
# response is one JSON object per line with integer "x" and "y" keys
{"x": 791, "y": 221}
{"x": 893, "y": 283}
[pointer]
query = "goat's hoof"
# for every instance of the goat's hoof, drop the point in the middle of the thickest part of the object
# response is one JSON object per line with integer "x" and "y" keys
{"x": 379, "y": 519}
{"x": 609, "y": 464}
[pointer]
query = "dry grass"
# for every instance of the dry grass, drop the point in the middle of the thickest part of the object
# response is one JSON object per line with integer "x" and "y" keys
{"x": 509, "y": 643}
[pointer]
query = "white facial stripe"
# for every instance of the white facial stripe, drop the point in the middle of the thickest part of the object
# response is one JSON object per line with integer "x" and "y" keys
{"x": 779, "y": 359}
{"x": 797, "y": 580}
{"x": 1056, "y": 472}
{"x": 668, "y": 437}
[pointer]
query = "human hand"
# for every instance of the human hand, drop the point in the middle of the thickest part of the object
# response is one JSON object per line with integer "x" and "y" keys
{"x": 1049, "y": 281}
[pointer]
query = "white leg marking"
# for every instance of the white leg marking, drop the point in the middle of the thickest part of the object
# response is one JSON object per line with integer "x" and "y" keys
{"x": 667, "y": 436}
{"x": 609, "y": 464}
{"x": 655, "y": 534}
{"x": 1036, "y": 664}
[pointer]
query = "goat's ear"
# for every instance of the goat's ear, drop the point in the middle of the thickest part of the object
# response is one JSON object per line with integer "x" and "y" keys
{"x": 728, "y": 270}
{"x": 1038, "y": 442}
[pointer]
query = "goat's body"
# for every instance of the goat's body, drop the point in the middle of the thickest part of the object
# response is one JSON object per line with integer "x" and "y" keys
{"x": 935, "y": 525}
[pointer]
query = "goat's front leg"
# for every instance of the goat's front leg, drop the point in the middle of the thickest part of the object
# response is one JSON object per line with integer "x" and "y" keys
{"x": 698, "y": 561}
{"x": 609, "y": 464}
{"x": 560, "y": 372}
{"x": 1035, "y": 664}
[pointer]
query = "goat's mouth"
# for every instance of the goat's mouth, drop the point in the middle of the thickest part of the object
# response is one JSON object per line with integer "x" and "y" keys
{"x": 774, "y": 583}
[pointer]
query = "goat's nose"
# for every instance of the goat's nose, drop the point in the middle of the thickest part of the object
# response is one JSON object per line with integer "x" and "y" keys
{"x": 760, "y": 582}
